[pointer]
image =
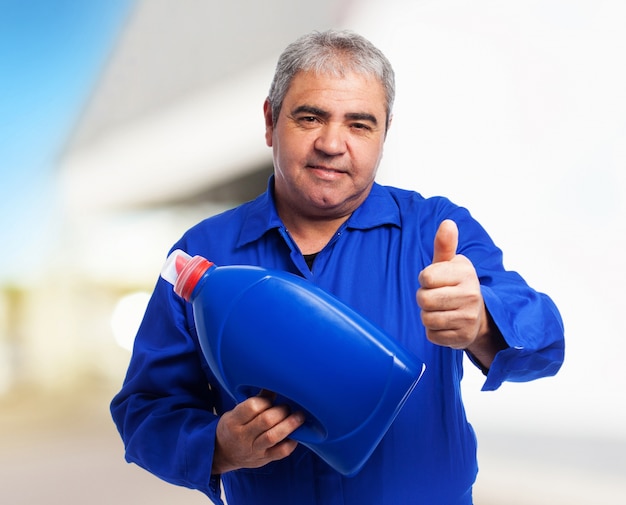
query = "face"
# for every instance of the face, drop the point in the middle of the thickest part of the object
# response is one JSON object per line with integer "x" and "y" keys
{"x": 327, "y": 144}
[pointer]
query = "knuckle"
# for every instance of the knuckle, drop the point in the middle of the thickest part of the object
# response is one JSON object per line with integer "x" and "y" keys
{"x": 430, "y": 300}
{"x": 426, "y": 278}
{"x": 422, "y": 298}
{"x": 434, "y": 320}
{"x": 270, "y": 418}
{"x": 257, "y": 405}
{"x": 270, "y": 439}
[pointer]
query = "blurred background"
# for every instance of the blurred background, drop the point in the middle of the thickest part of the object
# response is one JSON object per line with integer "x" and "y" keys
{"x": 124, "y": 122}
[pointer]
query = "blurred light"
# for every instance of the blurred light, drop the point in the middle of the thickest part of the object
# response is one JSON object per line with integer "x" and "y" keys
{"x": 127, "y": 317}
{"x": 6, "y": 368}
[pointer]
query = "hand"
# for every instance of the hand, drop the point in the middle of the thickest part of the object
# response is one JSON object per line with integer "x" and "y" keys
{"x": 453, "y": 310}
{"x": 254, "y": 433}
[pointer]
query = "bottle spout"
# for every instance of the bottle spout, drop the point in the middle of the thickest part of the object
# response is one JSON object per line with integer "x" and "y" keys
{"x": 183, "y": 272}
{"x": 174, "y": 265}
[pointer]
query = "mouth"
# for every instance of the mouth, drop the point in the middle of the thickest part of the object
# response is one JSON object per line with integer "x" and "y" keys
{"x": 328, "y": 173}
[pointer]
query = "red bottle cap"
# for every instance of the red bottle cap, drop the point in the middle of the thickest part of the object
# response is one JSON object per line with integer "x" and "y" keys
{"x": 184, "y": 272}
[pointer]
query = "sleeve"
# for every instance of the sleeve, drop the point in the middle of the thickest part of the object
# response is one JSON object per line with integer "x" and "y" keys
{"x": 528, "y": 320}
{"x": 165, "y": 409}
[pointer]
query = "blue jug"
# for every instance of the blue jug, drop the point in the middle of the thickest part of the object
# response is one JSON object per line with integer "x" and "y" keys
{"x": 272, "y": 330}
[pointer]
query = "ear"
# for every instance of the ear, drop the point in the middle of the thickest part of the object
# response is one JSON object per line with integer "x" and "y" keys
{"x": 269, "y": 123}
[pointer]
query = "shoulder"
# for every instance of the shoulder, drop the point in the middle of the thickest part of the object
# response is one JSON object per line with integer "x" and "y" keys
{"x": 215, "y": 234}
{"x": 422, "y": 215}
{"x": 412, "y": 204}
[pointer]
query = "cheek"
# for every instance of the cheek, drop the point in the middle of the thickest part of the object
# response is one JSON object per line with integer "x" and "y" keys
{"x": 369, "y": 158}
{"x": 286, "y": 158}
{"x": 293, "y": 149}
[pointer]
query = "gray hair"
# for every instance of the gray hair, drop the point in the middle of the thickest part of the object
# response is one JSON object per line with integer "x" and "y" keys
{"x": 335, "y": 53}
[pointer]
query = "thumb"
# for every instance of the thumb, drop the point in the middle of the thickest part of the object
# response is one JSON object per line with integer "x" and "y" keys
{"x": 446, "y": 241}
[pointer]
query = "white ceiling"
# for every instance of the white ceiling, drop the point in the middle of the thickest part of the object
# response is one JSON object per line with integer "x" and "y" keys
{"x": 182, "y": 74}
{"x": 170, "y": 50}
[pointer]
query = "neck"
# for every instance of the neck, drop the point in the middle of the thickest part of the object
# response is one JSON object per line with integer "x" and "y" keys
{"x": 312, "y": 235}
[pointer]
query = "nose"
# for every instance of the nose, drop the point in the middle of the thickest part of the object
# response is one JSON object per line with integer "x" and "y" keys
{"x": 331, "y": 140}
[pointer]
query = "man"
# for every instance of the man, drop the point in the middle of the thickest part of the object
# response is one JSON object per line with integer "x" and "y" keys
{"x": 421, "y": 269}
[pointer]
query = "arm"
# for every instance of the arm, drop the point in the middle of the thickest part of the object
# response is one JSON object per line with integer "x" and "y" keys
{"x": 165, "y": 411}
{"x": 505, "y": 326}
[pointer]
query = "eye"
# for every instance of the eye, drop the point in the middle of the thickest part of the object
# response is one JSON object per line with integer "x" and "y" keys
{"x": 361, "y": 127}
{"x": 307, "y": 121}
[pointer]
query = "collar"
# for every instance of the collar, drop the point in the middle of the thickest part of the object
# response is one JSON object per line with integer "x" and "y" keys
{"x": 378, "y": 209}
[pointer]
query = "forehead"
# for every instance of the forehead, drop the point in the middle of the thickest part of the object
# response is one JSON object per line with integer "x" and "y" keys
{"x": 351, "y": 92}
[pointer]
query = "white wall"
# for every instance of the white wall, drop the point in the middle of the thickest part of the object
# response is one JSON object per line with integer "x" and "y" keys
{"x": 516, "y": 110}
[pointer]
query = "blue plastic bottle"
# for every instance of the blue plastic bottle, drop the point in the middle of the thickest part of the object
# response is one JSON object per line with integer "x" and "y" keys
{"x": 266, "y": 329}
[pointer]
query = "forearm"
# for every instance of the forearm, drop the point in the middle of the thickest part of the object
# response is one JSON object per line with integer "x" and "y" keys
{"x": 174, "y": 442}
{"x": 164, "y": 411}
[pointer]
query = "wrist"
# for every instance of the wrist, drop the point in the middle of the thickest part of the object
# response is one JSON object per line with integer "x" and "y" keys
{"x": 487, "y": 343}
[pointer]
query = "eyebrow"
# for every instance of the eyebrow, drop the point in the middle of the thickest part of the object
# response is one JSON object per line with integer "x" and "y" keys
{"x": 354, "y": 116}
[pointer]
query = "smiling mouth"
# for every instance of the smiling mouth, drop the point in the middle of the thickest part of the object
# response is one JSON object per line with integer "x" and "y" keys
{"x": 330, "y": 170}
{"x": 326, "y": 174}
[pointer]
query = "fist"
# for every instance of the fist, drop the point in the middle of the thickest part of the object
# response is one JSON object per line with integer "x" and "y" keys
{"x": 452, "y": 307}
{"x": 254, "y": 433}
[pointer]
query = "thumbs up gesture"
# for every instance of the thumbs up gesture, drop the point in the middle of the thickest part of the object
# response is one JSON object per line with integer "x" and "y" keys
{"x": 453, "y": 310}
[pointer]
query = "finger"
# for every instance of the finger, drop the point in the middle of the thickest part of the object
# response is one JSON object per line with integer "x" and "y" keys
{"x": 281, "y": 450}
{"x": 447, "y": 338}
{"x": 436, "y": 275}
{"x": 276, "y": 427}
{"x": 438, "y": 299}
{"x": 250, "y": 409}
{"x": 446, "y": 241}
